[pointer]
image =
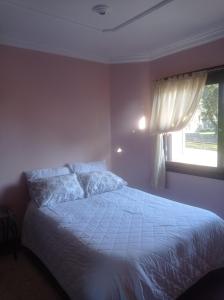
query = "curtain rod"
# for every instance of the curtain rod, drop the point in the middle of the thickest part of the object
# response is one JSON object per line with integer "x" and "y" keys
{"x": 211, "y": 69}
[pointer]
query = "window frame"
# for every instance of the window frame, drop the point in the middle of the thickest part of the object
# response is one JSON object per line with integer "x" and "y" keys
{"x": 200, "y": 170}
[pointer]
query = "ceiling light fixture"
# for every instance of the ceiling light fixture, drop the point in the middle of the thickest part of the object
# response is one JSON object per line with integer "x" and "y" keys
{"x": 101, "y": 9}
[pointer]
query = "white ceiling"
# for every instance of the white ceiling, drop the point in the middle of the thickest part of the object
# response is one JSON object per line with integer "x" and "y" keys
{"x": 149, "y": 28}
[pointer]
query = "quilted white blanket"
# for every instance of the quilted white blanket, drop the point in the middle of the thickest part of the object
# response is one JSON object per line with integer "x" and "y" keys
{"x": 125, "y": 244}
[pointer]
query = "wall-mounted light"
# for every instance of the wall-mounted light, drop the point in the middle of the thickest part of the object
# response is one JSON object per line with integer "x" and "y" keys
{"x": 142, "y": 123}
{"x": 119, "y": 150}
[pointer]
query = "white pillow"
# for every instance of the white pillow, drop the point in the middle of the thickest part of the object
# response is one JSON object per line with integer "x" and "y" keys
{"x": 53, "y": 190}
{"x": 93, "y": 166}
{"x": 44, "y": 173}
{"x": 100, "y": 182}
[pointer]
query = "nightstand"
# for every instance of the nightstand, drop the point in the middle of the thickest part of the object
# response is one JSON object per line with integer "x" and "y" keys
{"x": 8, "y": 231}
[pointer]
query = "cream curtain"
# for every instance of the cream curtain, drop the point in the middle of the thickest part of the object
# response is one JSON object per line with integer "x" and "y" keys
{"x": 174, "y": 103}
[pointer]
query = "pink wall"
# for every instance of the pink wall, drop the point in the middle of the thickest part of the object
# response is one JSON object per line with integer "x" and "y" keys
{"x": 53, "y": 110}
{"x": 56, "y": 109}
{"x": 131, "y": 89}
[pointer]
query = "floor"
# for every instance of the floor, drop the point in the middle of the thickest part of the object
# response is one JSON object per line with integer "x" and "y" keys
{"x": 209, "y": 288}
{"x": 24, "y": 279}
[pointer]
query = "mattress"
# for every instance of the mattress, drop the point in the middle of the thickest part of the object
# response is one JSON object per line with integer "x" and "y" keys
{"x": 125, "y": 244}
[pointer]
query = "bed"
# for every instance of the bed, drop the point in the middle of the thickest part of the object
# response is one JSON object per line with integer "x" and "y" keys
{"x": 125, "y": 244}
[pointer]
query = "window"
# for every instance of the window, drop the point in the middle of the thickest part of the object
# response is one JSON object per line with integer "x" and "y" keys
{"x": 199, "y": 148}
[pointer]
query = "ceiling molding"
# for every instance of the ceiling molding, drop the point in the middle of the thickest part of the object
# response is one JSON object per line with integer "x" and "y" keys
{"x": 50, "y": 15}
{"x": 47, "y": 49}
{"x": 196, "y": 40}
{"x": 131, "y": 20}
{"x": 139, "y": 16}
{"x": 191, "y": 42}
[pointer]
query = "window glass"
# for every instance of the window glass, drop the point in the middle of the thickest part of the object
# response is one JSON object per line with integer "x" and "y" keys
{"x": 197, "y": 143}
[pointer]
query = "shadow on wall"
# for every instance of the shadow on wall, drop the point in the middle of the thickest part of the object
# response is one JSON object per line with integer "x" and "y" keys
{"x": 16, "y": 197}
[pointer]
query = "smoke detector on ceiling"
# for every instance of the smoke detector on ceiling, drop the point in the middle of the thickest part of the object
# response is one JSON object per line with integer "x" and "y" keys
{"x": 101, "y": 9}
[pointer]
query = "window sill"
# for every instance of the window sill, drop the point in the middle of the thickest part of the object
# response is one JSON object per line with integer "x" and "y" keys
{"x": 195, "y": 170}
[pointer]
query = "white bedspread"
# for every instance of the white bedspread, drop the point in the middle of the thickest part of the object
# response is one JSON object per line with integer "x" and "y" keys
{"x": 125, "y": 244}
